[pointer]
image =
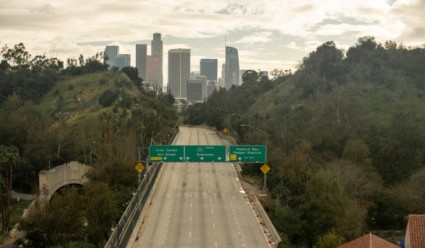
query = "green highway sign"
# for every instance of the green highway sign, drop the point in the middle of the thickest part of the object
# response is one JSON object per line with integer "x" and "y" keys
{"x": 205, "y": 153}
{"x": 248, "y": 154}
{"x": 166, "y": 153}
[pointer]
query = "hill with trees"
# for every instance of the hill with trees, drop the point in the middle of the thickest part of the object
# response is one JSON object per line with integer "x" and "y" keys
{"x": 52, "y": 114}
{"x": 346, "y": 139}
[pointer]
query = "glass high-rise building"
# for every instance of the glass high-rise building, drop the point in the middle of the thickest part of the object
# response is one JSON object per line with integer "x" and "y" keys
{"x": 209, "y": 68}
{"x": 122, "y": 60}
{"x": 141, "y": 54}
{"x": 178, "y": 71}
{"x": 111, "y": 52}
{"x": 232, "y": 67}
{"x": 157, "y": 50}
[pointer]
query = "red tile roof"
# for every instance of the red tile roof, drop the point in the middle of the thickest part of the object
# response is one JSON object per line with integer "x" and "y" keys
{"x": 369, "y": 241}
{"x": 416, "y": 231}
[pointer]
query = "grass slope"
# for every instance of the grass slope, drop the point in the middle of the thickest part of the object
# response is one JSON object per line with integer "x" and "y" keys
{"x": 77, "y": 97}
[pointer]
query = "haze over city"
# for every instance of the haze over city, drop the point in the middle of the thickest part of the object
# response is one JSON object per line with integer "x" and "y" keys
{"x": 268, "y": 34}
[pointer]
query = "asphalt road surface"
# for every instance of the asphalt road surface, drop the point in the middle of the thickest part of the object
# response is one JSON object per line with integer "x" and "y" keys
{"x": 200, "y": 204}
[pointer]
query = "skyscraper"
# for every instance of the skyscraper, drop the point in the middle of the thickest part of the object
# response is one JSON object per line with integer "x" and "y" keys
{"x": 111, "y": 52}
{"x": 156, "y": 50}
{"x": 232, "y": 67}
{"x": 141, "y": 64}
{"x": 195, "y": 90}
{"x": 178, "y": 71}
{"x": 152, "y": 71}
{"x": 209, "y": 68}
{"x": 122, "y": 60}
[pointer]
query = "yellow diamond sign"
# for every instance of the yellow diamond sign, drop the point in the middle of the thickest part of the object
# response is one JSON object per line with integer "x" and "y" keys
{"x": 225, "y": 130}
{"x": 265, "y": 168}
{"x": 139, "y": 167}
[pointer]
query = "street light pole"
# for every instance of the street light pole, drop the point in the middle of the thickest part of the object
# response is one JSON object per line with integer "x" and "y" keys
{"x": 249, "y": 121}
{"x": 256, "y": 128}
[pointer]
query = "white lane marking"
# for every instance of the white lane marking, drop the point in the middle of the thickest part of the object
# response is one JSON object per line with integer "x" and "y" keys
{"x": 212, "y": 211}
{"x": 210, "y": 200}
{"x": 190, "y": 234}
{"x": 191, "y": 218}
{"x": 215, "y": 242}
{"x": 213, "y": 226}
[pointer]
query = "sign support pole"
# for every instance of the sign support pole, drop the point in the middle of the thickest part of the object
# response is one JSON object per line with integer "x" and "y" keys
{"x": 139, "y": 154}
{"x": 139, "y": 178}
{"x": 265, "y": 182}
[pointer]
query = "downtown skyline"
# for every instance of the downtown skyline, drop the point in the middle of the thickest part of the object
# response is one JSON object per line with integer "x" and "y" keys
{"x": 267, "y": 34}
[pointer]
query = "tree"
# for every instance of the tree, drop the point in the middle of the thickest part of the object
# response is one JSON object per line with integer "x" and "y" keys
{"x": 56, "y": 222}
{"x": 324, "y": 205}
{"x": 357, "y": 151}
{"x": 100, "y": 212}
{"x": 359, "y": 182}
{"x": 133, "y": 74}
{"x": 250, "y": 76}
{"x": 16, "y": 57}
{"x": 9, "y": 156}
{"x": 72, "y": 214}
{"x": 329, "y": 240}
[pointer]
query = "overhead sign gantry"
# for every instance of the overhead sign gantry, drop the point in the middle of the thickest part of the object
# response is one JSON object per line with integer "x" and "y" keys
{"x": 207, "y": 153}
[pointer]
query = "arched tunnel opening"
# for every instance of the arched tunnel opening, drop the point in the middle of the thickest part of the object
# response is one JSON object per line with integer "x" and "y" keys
{"x": 64, "y": 189}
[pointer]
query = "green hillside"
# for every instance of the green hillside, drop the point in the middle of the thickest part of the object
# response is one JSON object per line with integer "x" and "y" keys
{"x": 78, "y": 97}
{"x": 50, "y": 115}
{"x": 345, "y": 139}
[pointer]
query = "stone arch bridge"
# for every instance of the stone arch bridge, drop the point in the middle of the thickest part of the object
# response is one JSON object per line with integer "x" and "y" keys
{"x": 70, "y": 173}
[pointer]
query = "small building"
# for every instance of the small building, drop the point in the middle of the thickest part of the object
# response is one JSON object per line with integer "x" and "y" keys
{"x": 369, "y": 241}
{"x": 415, "y": 231}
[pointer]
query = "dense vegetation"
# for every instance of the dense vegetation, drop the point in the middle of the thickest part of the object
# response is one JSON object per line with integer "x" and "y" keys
{"x": 51, "y": 114}
{"x": 346, "y": 139}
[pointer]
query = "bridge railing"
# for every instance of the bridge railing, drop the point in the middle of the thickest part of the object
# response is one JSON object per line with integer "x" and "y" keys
{"x": 122, "y": 233}
{"x": 125, "y": 227}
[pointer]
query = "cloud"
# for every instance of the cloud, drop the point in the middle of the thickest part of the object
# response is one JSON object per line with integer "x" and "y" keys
{"x": 411, "y": 15}
{"x": 271, "y": 29}
{"x": 255, "y": 38}
{"x": 293, "y": 45}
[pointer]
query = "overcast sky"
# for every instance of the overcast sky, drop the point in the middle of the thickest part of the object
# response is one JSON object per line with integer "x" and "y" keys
{"x": 268, "y": 33}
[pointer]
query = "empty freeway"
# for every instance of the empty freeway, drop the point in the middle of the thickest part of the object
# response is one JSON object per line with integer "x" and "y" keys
{"x": 199, "y": 204}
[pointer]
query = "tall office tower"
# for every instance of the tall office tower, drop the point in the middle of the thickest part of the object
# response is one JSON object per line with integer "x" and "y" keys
{"x": 209, "y": 68}
{"x": 178, "y": 71}
{"x": 141, "y": 53}
{"x": 201, "y": 80}
{"x": 194, "y": 90}
{"x": 111, "y": 52}
{"x": 223, "y": 75}
{"x": 152, "y": 70}
{"x": 232, "y": 67}
{"x": 122, "y": 60}
{"x": 156, "y": 50}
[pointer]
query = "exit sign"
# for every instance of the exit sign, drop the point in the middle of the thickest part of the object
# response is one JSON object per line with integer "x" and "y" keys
{"x": 248, "y": 154}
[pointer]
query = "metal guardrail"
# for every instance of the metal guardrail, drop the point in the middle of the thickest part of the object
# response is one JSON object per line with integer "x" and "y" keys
{"x": 121, "y": 235}
{"x": 125, "y": 227}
